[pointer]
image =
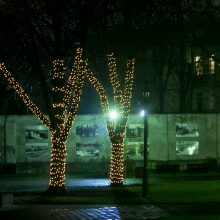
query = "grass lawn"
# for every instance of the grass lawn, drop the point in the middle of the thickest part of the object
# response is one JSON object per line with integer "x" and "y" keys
{"x": 194, "y": 200}
{"x": 187, "y": 217}
{"x": 204, "y": 191}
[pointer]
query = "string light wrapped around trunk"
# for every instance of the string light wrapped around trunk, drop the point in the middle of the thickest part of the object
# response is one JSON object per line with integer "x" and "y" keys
{"x": 122, "y": 100}
{"x": 65, "y": 100}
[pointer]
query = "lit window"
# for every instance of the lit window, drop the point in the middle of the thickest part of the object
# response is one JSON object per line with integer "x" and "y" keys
{"x": 198, "y": 65}
{"x": 211, "y": 65}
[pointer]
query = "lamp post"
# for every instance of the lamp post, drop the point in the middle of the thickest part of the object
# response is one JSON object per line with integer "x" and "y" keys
{"x": 145, "y": 96}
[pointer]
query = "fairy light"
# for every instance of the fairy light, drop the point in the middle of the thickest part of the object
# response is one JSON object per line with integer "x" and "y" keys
{"x": 57, "y": 89}
{"x": 23, "y": 95}
{"x": 58, "y": 150}
{"x": 55, "y": 105}
{"x": 72, "y": 97}
{"x": 66, "y": 99}
{"x": 122, "y": 100}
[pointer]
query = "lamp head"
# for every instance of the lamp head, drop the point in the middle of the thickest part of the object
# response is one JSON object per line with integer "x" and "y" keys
{"x": 143, "y": 112}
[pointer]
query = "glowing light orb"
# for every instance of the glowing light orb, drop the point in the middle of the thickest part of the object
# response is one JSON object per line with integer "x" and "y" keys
{"x": 142, "y": 113}
{"x": 113, "y": 114}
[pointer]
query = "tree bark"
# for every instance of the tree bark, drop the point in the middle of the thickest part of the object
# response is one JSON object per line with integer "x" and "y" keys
{"x": 117, "y": 164}
{"x": 57, "y": 166}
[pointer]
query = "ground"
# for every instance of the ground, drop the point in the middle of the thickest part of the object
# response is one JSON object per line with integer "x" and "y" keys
{"x": 170, "y": 197}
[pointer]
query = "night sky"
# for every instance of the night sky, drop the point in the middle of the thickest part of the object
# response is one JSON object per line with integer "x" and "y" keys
{"x": 156, "y": 33}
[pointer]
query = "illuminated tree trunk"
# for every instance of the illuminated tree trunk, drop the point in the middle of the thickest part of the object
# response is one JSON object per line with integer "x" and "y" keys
{"x": 65, "y": 105}
{"x": 117, "y": 161}
{"x": 58, "y": 148}
{"x": 65, "y": 96}
{"x": 116, "y": 130}
{"x": 116, "y": 134}
{"x": 57, "y": 166}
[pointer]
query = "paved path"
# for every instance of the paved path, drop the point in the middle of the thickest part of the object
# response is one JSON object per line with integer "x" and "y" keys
{"x": 83, "y": 212}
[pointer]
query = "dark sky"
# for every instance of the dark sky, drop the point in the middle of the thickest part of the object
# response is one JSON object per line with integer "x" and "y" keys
{"x": 33, "y": 33}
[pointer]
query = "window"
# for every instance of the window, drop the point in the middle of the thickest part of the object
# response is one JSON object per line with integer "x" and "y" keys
{"x": 212, "y": 65}
{"x": 198, "y": 65}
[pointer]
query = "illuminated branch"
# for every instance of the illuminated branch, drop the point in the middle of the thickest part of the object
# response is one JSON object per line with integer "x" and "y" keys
{"x": 74, "y": 106}
{"x": 58, "y": 90}
{"x": 116, "y": 86}
{"x": 68, "y": 98}
{"x": 100, "y": 89}
{"x": 129, "y": 79}
{"x": 65, "y": 96}
{"x": 113, "y": 73}
{"x": 74, "y": 91}
{"x": 103, "y": 97}
{"x": 15, "y": 85}
{"x": 73, "y": 78}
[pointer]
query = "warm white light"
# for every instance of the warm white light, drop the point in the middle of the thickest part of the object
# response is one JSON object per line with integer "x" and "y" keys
{"x": 64, "y": 110}
{"x": 113, "y": 114}
{"x": 122, "y": 94}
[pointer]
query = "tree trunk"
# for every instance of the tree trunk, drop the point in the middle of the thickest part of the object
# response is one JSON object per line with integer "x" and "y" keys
{"x": 57, "y": 166}
{"x": 117, "y": 163}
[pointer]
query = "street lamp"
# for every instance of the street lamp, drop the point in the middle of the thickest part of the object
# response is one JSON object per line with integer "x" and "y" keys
{"x": 145, "y": 96}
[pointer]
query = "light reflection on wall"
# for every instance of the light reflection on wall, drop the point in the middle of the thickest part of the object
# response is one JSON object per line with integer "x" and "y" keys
{"x": 187, "y": 147}
{"x": 187, "y": 138}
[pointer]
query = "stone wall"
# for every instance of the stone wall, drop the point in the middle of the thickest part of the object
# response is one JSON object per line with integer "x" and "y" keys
{"x": 180, "y": 138}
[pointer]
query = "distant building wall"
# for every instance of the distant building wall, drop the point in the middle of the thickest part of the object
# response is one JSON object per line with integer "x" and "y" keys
{"x": 183, "y": 138}
{"x": 2, "y": 149}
